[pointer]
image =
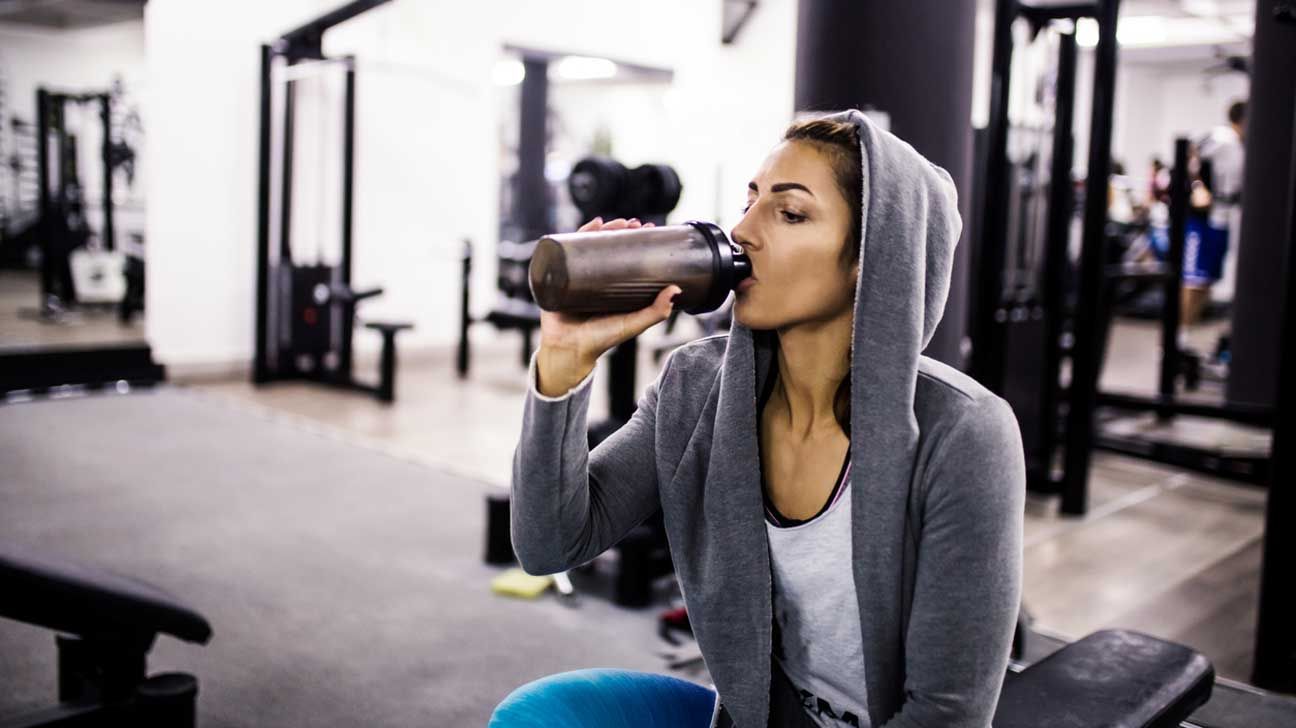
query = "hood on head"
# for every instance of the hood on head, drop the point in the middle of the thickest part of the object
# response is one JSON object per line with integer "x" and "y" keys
{"x": 910, "y": 212}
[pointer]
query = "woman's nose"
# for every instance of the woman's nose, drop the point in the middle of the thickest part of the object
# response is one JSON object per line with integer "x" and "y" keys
{"x": 739, "y": 235}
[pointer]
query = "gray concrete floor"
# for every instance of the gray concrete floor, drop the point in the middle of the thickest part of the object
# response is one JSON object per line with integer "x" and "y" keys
{"x": 1162, "y": 551}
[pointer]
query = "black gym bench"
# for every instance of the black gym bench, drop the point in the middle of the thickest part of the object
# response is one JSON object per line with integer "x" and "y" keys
{"x": 107, "y": 624}
{"x": 1110, "y": 679}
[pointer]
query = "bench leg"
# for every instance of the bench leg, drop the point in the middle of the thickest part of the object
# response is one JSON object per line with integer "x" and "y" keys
{"x": 387, "y": 375}
{"x": 167, "y": 701}
{"x": 98, "y": 671}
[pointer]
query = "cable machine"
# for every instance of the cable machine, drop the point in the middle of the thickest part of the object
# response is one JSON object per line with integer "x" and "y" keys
{"x": 305, "y": 313}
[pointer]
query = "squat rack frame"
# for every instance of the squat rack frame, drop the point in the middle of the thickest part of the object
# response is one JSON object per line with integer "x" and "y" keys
{"x": 991, "y": 315}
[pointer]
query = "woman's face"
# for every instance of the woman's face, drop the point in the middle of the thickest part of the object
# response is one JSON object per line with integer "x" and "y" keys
{"x": 794, "y": 229}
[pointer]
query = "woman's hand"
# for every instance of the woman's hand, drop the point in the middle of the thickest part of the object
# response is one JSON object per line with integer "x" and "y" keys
{"x": 570, "y": 345}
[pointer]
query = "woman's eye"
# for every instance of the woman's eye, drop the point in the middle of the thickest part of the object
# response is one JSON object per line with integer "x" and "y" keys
{"x": 792, "y": 217}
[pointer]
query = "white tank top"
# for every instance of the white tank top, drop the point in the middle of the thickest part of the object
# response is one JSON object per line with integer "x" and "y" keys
{"x": 816, "y": 611}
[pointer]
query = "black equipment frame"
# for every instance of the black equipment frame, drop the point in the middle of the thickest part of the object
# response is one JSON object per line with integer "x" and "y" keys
{"x": 55, "y": 181}
{"x": 996, "y": 310}
{"x": 275, "y": 357}
{"x": 1063, "y": 427}
{"x": 36, "y": 371}
{"x": 1247, "y": 469}
{"x": 1275, "y": 638}
{"x": 1078, "y": 432}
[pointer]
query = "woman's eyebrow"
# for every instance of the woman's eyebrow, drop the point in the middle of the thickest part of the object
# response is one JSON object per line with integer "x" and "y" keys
{"x": 781, "y": 187}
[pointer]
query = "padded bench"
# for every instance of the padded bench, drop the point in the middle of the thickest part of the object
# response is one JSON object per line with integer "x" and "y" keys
{"x": 107, "y": 625}
{"x": 1110, "y": 679}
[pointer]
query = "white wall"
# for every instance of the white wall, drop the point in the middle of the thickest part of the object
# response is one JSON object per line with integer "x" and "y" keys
{"x": 1165, "y": 102}
{"x": 68, "y": 60}
{"x": 427, "y": 147}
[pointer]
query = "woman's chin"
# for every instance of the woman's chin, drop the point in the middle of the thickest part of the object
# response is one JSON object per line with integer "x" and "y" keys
{"x": 749, "y": 315}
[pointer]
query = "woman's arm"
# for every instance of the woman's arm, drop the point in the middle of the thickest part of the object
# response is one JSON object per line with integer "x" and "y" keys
{"x": 967, "y": 588}
{"x": 568, "y": 504}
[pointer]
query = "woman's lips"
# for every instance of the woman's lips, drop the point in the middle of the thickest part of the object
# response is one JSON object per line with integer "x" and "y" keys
{"x": 745, "y": 284}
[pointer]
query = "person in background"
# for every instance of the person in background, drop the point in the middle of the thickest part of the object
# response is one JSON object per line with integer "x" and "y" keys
{"x": 1216, "y": 193}
{"x": 1158, "y": 183}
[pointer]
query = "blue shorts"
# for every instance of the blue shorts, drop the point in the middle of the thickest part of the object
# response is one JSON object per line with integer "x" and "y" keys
{"x": 1204, "y": 249}
{"x": 605, "y": 698}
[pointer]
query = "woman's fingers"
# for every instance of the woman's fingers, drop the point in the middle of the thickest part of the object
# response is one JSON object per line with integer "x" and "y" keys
{"x": 637, "y": 322}
{"x": 619, "y": 223}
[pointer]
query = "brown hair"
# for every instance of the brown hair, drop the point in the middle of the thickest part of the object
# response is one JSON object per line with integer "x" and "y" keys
{"x": 839, "y": 143}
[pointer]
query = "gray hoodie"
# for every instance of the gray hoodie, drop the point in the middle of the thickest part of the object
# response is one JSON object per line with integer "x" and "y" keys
{"x": 937, "y": 501}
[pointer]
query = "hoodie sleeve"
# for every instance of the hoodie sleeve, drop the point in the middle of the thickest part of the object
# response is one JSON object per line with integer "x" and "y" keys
{"x": 967, "y": 588}
{"x": 569, "y": 504}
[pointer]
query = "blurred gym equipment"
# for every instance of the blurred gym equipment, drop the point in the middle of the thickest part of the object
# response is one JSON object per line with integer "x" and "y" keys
{"x": 107, "y": 624}
{"x": 47, "y": 228}
{"x": 1035, "y": 306}
{"x": 60, "y": 231}
{"x": 1244, "y": 468}
{"x": 1012, "y": 335}
{"x": 306, "y": 313}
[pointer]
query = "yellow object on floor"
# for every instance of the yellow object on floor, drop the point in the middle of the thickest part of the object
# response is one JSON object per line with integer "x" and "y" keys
{"x": 517, "y": 583}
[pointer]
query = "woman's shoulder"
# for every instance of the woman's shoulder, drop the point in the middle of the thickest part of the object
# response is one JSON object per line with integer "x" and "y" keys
{"x": 970, "y": 443}
{"x": 946, "y": 400}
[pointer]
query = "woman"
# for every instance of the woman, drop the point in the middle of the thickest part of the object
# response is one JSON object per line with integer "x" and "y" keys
{"x": 844, "y": 515}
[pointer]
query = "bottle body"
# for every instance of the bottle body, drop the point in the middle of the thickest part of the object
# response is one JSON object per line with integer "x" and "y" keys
{"x": 616, "y": 271}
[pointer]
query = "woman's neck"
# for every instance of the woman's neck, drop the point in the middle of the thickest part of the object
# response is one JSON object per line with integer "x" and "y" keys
{"x": 813, "y": 358}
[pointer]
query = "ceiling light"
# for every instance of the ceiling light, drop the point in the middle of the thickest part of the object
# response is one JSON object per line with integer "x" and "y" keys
{"x": 583, "y": 68}
{"x": 508, "y": 72}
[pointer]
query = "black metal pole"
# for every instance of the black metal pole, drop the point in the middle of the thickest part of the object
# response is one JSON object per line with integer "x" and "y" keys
{"x": 387, "y": 368}
{"x": 348, "y": 165}
{"x": 42, "y": 149}
{"x": 260, "y": 362}
{"x": 345, "y": 354}
{"x": 45, "y": 224}
{"x": 1275, "y": 640}
{"x": 105, "y": 115}
{"x": 286, "y": 171}
{"x": 311, "y": 31}
{"x": 987, "y": 332}
{"x": 1061, "y": 201}
{"x": 532, "y": 190}
{"x": 1084, "y": 360}
{"x": 461, "y": 358}
{"x": 1174, "y": 276}
{"x": 1254, "y": 335}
